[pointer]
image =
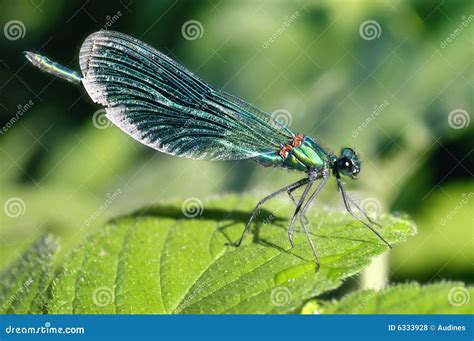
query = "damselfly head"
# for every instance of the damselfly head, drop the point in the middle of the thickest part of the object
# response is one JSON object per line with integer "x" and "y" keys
{"x": 347, "y": 164}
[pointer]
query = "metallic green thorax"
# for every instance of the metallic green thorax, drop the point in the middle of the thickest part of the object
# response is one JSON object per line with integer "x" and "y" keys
{"x": 308, "y": 156}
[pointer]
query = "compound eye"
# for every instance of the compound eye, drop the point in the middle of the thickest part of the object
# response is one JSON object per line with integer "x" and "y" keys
{"x": 347, "y": 152}
{"x": 345, "y": 166}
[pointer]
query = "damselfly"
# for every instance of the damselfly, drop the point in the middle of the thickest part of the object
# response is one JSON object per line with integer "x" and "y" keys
{"x": 161, "y": 104}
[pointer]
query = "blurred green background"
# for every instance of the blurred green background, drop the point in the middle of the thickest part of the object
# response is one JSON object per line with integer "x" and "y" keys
{"x": 392, "y": 79}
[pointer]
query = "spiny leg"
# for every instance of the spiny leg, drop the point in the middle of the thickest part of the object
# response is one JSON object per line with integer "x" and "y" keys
{"x": 315, "y": 193}
{"x": 291, "y": 228}
{"x": 303, "y": 210}
{"x": 308, "y": 236}
{"x": 363, "y": 212}
{"x": 296, "y": 203}
{"x": 349, "y": 210}
{"x": 296, "y": 184}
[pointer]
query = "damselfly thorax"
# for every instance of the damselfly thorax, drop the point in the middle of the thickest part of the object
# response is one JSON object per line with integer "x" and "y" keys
{"x": 301, "y": 153}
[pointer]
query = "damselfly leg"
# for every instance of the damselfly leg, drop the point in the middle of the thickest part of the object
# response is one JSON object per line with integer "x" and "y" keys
{"x": 302, "y": 212}
{"x": 296, "y": 203}
{"x": 297, "y": 210}
{"x": 345, "y": 199}
{"x": 294, "y": 185}
{"x": 363, "y": 212}
{"x": 310, "y": 241}
{"x": 291, "y": 229}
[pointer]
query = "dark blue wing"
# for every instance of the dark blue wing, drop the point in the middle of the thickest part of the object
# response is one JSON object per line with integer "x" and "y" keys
{"x": 163, "y": 105}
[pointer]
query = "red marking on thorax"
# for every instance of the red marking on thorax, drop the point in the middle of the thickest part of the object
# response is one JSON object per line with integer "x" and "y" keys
{"x": 285, "y": 150}
{"x": 296, "y": 142}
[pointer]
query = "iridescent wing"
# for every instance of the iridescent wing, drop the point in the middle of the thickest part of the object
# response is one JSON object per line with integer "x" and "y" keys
{"x": 163, "y": 105}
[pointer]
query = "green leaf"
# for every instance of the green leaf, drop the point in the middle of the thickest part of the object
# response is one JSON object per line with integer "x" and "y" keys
{"x": 160, "y": 261}
{"x": 24, "y": 284}
{"x": 438, "y": 298}
{"x": 445, "y": 222}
